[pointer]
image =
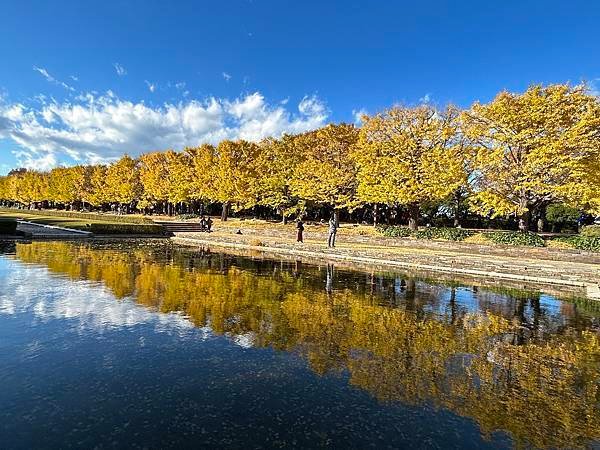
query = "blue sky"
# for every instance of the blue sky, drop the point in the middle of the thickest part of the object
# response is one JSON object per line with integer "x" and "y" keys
{"x": 84, "y": 81}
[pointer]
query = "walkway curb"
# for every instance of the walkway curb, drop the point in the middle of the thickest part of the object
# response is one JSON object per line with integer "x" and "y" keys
{"x": 592, "y": 290}
{"x": 54, "y": 227}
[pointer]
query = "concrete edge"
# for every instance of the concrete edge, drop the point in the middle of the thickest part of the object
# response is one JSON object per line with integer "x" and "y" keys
{"x": 54, "y": 227}
{"x": 592, "y": 290}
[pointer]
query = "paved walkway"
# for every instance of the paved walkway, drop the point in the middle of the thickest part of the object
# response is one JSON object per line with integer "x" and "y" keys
{"x": 578, "y": 270}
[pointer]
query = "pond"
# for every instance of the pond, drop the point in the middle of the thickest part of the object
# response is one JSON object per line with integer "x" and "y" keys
{"x": 150, "y": 345}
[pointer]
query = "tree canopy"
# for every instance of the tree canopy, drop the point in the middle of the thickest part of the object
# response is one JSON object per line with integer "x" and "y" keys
{"x": 513, "y": 156}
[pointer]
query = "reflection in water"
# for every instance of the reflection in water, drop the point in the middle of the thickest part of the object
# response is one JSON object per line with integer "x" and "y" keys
{"x": 521, "y": 362}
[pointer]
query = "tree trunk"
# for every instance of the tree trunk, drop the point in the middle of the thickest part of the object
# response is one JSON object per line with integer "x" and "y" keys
{"x": 336, "y": 216}
{"x": 225, "y": 211}
{"x": 457, "y": 210}
{"x": 413, "y": 216}
{"x": 375, "y": 211}
{"x": 541, "y": 221}
{"x": 524, "y": 222}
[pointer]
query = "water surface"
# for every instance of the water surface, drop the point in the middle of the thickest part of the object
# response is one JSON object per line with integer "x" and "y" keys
{"x": 147, "y": 345}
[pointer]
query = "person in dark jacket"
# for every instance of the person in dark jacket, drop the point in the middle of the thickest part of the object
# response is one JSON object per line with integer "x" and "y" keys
{"x": 333, "y": 226}
{"x": 300, "y": 228}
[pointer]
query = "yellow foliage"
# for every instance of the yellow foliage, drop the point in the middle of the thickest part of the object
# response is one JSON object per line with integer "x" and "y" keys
{"x": 534, "y": 148}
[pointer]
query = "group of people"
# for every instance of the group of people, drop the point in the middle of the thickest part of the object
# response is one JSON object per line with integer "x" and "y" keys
{"x": 206, "y": 224}
{"x": 331, "y": 231}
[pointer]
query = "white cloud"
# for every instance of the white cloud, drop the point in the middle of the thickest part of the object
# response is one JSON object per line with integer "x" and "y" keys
{"x": 34, "y": 160}
{"x": 73, "y": 77}
{"x": 51, "y": 79}
{"x": 226, "y": 76}
{"x": 358, "y": 114}
{"x": 120, "y": 69}
{"x": 426, "y": 98}
{"x": 151, "y": 86}
{"x": 94, "y": 129}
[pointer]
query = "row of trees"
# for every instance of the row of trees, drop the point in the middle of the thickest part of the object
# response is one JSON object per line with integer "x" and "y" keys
{"x": 513, "y": 156}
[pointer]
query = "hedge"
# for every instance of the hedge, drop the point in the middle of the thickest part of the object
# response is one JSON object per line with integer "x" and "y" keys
{"x": 590, "y": 231}
{"x": 8, "y": 226}
{"x": 394, "y": 231}
{"x": 515, "y": 238}
{"x": 125, "y": 228}
{"x": 81, "y": 215}
{"x": 449, "y": 234}
{"x": 591, "y": 244}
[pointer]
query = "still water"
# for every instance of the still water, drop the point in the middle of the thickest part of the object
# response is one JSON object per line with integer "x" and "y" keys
{"x": 148, "y": 345}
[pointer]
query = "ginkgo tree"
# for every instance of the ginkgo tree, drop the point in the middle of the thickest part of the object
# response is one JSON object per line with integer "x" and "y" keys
{"x": 512, "y": 156}
{"x": 409, "y": 156}
{"x": 123, "y": 181}
{"x": 277, "y": 162}
{"x": 235, "y": 175}
{"x": 535, "y": 148}
{"x": 326, "y": 172}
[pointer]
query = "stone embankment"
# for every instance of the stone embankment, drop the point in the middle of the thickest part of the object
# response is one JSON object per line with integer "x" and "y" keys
{"x": 573, "y": 271}
{"x": 40, "y": 231}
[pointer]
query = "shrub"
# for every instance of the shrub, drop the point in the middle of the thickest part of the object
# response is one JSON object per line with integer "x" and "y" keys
{"x": 590, "y": 244}
{"x": 590, "y": 231}
{"x": 81, "y": 215}
{"x": 561, "y": 216}
{"x": 426, "y": 233}
{"x": 125, "y": 228}
{"x": 448, "y": 234}
{"x": 188, "y": 216}
{"x": 394, "y": 231}
{"x": 515, "y": 238}
{"x": 8, "y": 226}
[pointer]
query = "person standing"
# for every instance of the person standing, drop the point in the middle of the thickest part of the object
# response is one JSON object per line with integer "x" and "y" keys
{"x": 333, "y": 226}
{"x": 300, "y": 228}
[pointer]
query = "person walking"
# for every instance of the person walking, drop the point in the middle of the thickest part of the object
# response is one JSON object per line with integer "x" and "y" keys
{"x": 300, "y": 228}
{"x": 333, "y": 226}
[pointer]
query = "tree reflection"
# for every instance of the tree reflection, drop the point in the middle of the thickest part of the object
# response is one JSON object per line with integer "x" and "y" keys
{"x": 508, "y": 364}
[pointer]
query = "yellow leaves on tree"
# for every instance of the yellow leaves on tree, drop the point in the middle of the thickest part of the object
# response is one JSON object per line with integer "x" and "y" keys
{"x": 235, "y": 175}
{"x": 123, "y": 181}
{"x": 203, "y": 161}
{"x": 409, "y": 156}
{"x": 276, "y": 163}
{"x": 326, "y": 173}
{"x": 534, "y": 148}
